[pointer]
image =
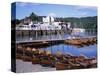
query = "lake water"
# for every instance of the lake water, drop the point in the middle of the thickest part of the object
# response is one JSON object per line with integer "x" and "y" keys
{"x": 53, "y": 36}
{"x": 88, "y": 51}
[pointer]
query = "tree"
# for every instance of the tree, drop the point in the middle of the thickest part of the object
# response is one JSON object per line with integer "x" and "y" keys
{"x": 33, "y": 16}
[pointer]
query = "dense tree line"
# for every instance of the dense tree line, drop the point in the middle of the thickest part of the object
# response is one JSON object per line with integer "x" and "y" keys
{"x": 83, "y": 22}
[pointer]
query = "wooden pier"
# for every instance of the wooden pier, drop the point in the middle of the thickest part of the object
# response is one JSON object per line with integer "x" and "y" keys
{"x": 40, "y": 32}
{"x": 78, "y": 42}
{"x": 48, "y": 40}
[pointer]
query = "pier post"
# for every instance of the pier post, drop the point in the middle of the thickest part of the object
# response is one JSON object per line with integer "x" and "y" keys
{"x": 22, "y": 34}
{"x": 36, "y": 34}
{"x": 29, "y": 32}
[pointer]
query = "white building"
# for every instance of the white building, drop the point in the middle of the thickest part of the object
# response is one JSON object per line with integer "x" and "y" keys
{"x": 48, "y": 24}
{"x": 48, "y": 19}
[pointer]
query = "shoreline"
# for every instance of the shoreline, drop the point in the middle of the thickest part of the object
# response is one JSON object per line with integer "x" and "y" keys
{"x": 23, "y": 67}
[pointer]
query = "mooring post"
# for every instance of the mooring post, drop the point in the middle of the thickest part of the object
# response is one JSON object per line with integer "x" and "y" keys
{"x": 22, "y": 33}
{"x": 29, "y": 33}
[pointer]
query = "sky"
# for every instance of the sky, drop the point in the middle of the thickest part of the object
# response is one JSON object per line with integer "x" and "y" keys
{"x": 25, "y": 9}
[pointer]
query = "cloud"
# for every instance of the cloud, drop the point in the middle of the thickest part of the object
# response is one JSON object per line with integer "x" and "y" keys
{"x": 21, "y": 3}
{"x": 52, "y": 14}
{"x": 86, "y": 7}
{"x": 84, "y": 10}
{"x": 26, "y": 3}
{"x": 83, "y": 13}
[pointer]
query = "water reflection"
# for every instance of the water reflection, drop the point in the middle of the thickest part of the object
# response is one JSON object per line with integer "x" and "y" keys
{"x": 54, "y": 36}
{"x": 88, "y": 51}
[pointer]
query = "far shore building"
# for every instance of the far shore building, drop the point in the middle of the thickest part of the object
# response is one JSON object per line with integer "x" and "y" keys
{"x": 48, "y": 23}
